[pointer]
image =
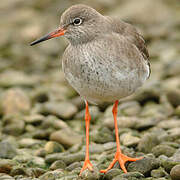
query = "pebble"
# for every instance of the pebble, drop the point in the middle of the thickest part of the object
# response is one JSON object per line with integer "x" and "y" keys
{"x": 123, "y": 122}
{"x": 13, "y": 125}
{"x": 16, "y": 78}
{"x": 29, "y": 142}
{"x": 67, "y": 137}
{"x": 157, "y": 173}
{"x": 163, "y": 149}
{"x": 53, "y": 147}
{"x": 53, "y": 122}
{"x": 5, "y": 177}
{"x": 168, "y": 124}
{"x": 37, "y": 172}
{"x": 15, "y": 101}
{"x": 7, "y": 150}
{"x": 19, "y": 170}
{"x": 52, "y": 175}
{"x": 59, "y": 109}
{"x": 91, "y": 175}
{"x": 147, "y": 142}
{"x": 66, "y": 158}
{"x": 112, "y": 173}
{"x": 59, "y": 164}
{"x": 6, "y": 165}
{"x": 94, "y": 112}
{"x": 128, "y": 140}
{"x": 129, "y": 175}
{"x": 168, "y": 164}
{"x": 175, "y": 172}
{"x": 176, "y": 156}
{"x": 102, "y": 135}
{"x": 144, "y": 166}
{"x": 34, "y": 119}
{"x": 73, "y": 166}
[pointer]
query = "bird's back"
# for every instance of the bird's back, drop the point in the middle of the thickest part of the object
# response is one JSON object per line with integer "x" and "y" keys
{"x": 131, "y": 34}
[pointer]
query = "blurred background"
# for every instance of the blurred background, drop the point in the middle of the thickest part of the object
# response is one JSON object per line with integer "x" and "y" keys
{"x": 41, "y": 115}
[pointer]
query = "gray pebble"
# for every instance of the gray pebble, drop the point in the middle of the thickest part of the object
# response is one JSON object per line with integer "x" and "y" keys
{"x": 7, "y": 150}
{"x": 175, "y": 172}
{"x": 144, "y": 165}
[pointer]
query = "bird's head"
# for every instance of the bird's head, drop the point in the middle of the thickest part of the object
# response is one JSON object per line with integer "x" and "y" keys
{"x": 79, "y": 24}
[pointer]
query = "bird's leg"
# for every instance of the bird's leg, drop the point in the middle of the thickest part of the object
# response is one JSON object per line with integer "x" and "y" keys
{"x": 87, "y": 163}
{"x": 121, "y": 158}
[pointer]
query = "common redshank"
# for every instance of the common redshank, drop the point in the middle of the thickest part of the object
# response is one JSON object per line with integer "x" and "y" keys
{"x": 106, "y": 60}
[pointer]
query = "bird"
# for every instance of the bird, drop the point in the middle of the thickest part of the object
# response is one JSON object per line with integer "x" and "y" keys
{"x": 106, "y": 60}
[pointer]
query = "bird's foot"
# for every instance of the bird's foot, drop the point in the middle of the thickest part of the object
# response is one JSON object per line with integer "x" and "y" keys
{"x": 87, "y": 165}
{"x": 122, "y": 159}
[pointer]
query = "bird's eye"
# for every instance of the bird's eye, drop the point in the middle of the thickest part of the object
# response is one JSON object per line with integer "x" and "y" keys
{"x": 77, "y": 21}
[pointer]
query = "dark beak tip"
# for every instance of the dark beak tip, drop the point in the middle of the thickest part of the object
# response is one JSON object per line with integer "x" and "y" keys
{"x": 31, "y": 44}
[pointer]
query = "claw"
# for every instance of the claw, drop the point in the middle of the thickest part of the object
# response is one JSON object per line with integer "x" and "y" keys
{"x": 87, "y": 165}
{"x": 122, "y": 159}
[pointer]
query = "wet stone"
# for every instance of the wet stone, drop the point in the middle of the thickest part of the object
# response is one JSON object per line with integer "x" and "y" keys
{"x": 34, "y": 119}
{"x": 6, "y": 165}
{"x": 53, "y": 122}
{"x": 52, "y": 175}
{"x": 157, "y": 173}
{"x": 37, "y": 171}
{"x": 129, "y": 140}
{"x": 41, "y": 152}
{"x": 176, "y": 156}
{"x": 66, "y": 158}
{"x": 112, "y": 173}
{"x": 129, "y": 176}
{"x": 5, "y": 177}
{"x": 163, "y": 149}
{"x": 59, "y": 109}
{"x": 59, "y": 164}
{"x": 67, "y": 137}
{"x": 168, "y": 124}
{"x": 103, "y": 135}
{"x": 91, "y": 175}
{"x": 177, "y": 111}
{"x": 28, "y": 142}
{"x": 42, "y": 133}
{"x": 16, "y": 78}
{"x": 144, "y": 165}
{"x": 7, "y": 150}
{"x": 73, "y": 166}
{"x": 123, "y": 122}
{"x": 175, "y": 172}
{"x": 13, "y": 125}
{"x": 146, "y": 123}
{"x": 70, "y": 177}
{"x": 18, "y": 170}
{"x": 53, "y": 147}
{"x": 147, "y": 142}
{"x": 94, "y": 112}
{"x": 168, "y": 164}
{"x": 15, "y": 101}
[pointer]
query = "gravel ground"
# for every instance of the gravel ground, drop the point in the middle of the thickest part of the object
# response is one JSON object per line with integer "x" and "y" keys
{"x": 42, "y": 131}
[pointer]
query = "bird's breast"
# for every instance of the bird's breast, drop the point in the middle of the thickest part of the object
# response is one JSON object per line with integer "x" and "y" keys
{"x": 97, "y": 77}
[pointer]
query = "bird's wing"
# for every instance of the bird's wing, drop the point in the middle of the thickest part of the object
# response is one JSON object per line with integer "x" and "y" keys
{"x": 131, "y": 34}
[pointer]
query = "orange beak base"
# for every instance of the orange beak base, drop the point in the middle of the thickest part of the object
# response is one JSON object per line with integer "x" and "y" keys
{"x": 56, "y": 33}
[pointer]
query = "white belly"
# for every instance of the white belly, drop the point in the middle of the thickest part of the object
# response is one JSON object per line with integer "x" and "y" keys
{"x": 105, "y": 83}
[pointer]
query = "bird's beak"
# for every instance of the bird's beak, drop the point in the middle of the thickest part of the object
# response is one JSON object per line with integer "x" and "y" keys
{"x": 58, "y": 32}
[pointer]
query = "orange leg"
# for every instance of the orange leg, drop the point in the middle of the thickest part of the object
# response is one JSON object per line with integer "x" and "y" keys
{"x": 87, "y": 163}
{"x": 121, "y": 158}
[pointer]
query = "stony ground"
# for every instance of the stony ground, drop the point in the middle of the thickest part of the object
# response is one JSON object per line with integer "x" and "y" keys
{"x": 41, "y": 117}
